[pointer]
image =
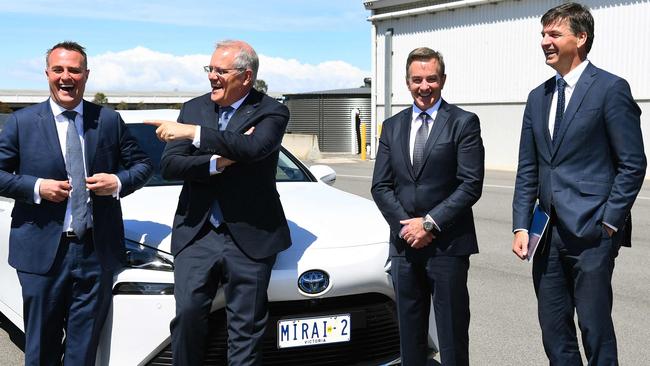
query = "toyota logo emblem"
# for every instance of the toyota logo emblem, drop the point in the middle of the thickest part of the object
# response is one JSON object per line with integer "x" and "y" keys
{"x": 313, "y": 281}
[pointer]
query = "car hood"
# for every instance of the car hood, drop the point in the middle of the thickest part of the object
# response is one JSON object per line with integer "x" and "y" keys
{"x": 319, "y": 216}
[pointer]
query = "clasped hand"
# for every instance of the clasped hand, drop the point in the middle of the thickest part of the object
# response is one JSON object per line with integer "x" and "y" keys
{"x": 101, "y": 184}
{"x": 414, "y": 234}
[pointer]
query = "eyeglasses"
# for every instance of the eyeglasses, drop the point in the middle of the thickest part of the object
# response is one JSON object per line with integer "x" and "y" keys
{"x": 219, "y": 71}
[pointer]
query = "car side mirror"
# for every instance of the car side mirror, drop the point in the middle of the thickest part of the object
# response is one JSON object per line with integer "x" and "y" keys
{"x": 323, "y": 173}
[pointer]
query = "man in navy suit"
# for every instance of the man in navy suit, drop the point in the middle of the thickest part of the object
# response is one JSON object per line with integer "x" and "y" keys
{"x": 428, "y": 174}
{"x": 581, "y": 155}
{"x": 67, "y": 238}
{"x": 229, "y": 224}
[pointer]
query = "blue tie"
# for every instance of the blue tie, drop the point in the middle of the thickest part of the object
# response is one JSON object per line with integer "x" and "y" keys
{"x": 224, "y": 117}
{"x": 559, "y": 112}
{"x": 74, "y": 165}
{"x": 216, "y": 215}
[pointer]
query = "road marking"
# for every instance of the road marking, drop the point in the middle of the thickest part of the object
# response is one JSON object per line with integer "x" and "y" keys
{"x": 498, "y": 186}
{"x": 484, "y": 185}
{"x": 353, "y": 176}
{"x": 512, "y": 187}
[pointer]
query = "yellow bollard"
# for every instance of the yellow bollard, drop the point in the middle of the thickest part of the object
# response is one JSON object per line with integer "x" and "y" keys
{"x": 363, "y": 141}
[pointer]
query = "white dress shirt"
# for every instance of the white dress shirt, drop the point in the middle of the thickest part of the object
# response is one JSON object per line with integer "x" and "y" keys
{"x": 197, "y": 136}
{"x": 416, "y": 122}
{"x": 61, "y": 123}
{"x": 571, "y": 79}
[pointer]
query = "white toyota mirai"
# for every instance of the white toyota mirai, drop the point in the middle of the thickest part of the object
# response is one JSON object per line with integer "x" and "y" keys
{"x": 331, "y": 298}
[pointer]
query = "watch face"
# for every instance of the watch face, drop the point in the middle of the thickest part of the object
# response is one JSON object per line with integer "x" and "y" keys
{"x": 427, "y": 225}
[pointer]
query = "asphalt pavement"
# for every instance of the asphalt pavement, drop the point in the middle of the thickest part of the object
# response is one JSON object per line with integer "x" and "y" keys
{"x": 504, "y": 328}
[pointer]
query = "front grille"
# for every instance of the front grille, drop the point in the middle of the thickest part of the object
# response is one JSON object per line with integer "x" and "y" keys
{"x": 374, "y": 336}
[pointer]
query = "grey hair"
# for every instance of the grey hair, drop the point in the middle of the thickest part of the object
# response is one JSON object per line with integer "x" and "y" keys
{"x": 245, "y": 59}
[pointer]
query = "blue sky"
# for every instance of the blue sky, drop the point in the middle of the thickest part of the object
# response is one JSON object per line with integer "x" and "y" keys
{"x": 160, "y": 45}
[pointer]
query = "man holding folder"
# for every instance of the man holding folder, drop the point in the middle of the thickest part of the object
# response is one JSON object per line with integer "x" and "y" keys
{"x": 581, "y": 155}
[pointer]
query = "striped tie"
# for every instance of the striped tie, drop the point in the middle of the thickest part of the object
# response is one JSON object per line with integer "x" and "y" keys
{"x": 74, "y": 165}
{"x": 420, "y": 141}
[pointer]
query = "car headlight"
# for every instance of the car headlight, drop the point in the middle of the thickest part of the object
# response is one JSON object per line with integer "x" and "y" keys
{"x": 144, "y": 257}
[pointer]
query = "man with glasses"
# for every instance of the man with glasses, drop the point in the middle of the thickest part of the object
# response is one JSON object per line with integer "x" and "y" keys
{"x": 229, "y": 224}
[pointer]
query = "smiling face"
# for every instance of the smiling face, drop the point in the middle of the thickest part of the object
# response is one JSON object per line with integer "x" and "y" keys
{"x": 67, "y": 75}
{"x": 233, "y": 84}
{"x": 425, "y": 82}
{"x": 563, "y": 49}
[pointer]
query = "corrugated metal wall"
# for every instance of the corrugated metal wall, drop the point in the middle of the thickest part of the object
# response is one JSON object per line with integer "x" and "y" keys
{"x": 492, "y": 51}
{"x": 328, "y": 118}
{"x": 493, "y": 58}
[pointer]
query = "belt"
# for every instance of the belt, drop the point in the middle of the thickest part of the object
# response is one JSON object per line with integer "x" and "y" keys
{"x": 71, "y": 234}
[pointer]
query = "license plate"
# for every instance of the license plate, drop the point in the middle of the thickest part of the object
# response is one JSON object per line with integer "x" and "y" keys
{"x": 313, "y": 331}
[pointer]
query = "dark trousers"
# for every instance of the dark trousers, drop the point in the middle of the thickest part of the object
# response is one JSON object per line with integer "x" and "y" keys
{"x": 214, "y": 259}
{"x": 572, "y": 275}
{"x": 74, "y": 296}
{"x": 416, "y": 282}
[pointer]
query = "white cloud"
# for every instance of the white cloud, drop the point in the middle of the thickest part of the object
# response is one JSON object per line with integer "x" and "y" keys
{"x": 255, "y": 15}
{"x": 142, "y": 69}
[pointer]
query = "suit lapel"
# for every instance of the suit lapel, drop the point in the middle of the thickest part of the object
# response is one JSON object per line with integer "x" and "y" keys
{"x": 238, "y": 120}
{"x": 442, "y": 118}
{"x": 51, "y": 135}
{"x": 210, "y": 114}
{"x": 403, "y": 133}
{"x": 549, "y": 89}
{"x": 582, "y": 87}
{"x": 91, "y": 128}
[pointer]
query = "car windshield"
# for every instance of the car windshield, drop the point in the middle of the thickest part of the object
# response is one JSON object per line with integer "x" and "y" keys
{"x": 289, "y": 169}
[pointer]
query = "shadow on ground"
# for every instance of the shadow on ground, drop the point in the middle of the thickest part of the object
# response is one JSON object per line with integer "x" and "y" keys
{"x": 15, "y": 334}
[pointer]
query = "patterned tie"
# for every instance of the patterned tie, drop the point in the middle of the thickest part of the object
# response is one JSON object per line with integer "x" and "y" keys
{"x": 74, "y": 165}
{"x": 559, "y": 112}
{"x": 216, "y": 215}
{"x": 224, "y": 117}
{"x": 420, "y": 141}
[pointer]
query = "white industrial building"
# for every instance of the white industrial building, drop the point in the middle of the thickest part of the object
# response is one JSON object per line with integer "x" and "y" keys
{"x": 493, "y": 58}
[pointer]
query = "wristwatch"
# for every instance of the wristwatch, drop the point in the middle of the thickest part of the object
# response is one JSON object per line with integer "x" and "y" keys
{"x": 427, "y": 224}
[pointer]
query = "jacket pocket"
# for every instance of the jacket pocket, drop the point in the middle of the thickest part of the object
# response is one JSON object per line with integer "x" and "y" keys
{"x": 594, "y": 188}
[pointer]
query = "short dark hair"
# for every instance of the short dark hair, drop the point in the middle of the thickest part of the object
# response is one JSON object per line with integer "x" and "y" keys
{"x": 70, "y": 46}
{"x": 425, "y": 54}
{"x": 578, "y": 16}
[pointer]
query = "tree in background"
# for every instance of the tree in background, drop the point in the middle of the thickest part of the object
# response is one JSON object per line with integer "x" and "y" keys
{"x": 122, "y": 106}
{"x": 5, "y": 108}
{"x": 100, "y": 98}
{"x": 260, "y": 86}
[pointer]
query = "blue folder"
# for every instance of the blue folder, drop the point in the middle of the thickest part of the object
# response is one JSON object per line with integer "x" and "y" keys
{"x": 536, "y": 231}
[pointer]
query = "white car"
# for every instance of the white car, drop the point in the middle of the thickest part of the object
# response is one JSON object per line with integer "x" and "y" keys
{"x": 337, "y": 272}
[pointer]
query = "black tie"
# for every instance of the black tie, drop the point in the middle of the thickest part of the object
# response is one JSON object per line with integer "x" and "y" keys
{"x": 74, "y": 165}
{"x": 559, "y": 112}
{"x": 420, "y": 141}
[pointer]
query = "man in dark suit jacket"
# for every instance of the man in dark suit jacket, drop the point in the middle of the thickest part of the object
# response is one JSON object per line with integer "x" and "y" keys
{"x": 229, "y": 224}
{"x": 581, "y": 155}
{"x": 66, "y": 255}
{"x": 428, "y": 174}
